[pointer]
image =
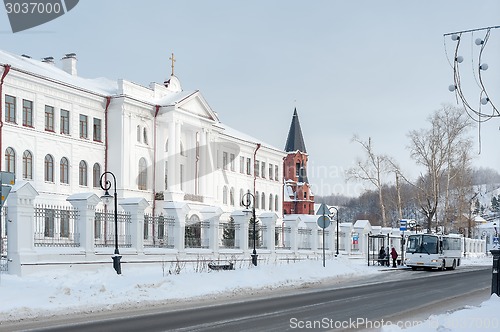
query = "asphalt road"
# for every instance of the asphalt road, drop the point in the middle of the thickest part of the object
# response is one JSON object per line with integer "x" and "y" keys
{"x": 327, "y": 307}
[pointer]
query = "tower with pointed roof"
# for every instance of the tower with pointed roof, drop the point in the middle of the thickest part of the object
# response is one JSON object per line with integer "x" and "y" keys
{"x": 297, "y": 198}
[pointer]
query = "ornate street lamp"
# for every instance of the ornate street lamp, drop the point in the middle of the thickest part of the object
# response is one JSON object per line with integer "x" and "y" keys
{"x": 246, "y": 203}
{"x": 106, "y": 198}
{"x": 337, "y": 237}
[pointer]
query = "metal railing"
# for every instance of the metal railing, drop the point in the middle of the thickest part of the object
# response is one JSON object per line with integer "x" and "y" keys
{"x": 56, "y": 227}
{"x": 104, "y": 229}
{"x": 158, "y": 231}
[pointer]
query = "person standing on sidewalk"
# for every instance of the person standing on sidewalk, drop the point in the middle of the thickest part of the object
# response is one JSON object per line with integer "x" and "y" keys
{"x": 394, "y": 256}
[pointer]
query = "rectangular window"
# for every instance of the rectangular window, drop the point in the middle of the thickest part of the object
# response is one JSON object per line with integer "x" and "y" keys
{"x": 249, "y": 166}
{"x": 83, "y": 126}
{"x": 49, "y": 118}
{"x": 297, "y": 169}
{"x": 10, "y": 109}
{"x": 97, "y": 130}
{"x": 257, "y": 167}
{"x": 224, "y": 160}
{"x": 27, "y": 113}
{"x": 231, "y": 158}
{"x": 64, "y": 122}
{"x": 270, "y": 171}
{"x": 276, "y": 170}
{"x": 242, "y": 165}
{"x": 263, "y": 170}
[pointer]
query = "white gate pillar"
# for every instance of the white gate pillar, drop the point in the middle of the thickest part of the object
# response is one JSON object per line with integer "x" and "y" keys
{"x": 136, "y": 207}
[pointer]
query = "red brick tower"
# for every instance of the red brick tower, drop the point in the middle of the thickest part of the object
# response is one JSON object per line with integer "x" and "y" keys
{"x": 297, "y": 196}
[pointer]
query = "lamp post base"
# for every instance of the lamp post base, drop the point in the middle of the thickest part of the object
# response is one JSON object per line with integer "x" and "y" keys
{"x": 116, "y": 264}
{"x": 254, "y": 259}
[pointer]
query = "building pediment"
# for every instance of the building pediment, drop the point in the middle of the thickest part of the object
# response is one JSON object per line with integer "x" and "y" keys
{"x": 195, "y": 104}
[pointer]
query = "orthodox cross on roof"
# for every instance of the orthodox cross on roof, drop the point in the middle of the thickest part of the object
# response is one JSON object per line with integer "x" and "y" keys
{"x": 172, "y": 60}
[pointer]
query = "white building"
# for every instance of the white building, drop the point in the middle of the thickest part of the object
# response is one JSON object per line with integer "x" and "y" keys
{"x": 60, "y": 132}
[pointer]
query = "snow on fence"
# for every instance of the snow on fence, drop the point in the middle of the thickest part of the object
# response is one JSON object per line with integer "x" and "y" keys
{"x": 82, "y": 234}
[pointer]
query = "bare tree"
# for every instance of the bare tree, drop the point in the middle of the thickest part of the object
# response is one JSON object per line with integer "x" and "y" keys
{"x": 372, "y": 170}
{"x": 440, "y": 150}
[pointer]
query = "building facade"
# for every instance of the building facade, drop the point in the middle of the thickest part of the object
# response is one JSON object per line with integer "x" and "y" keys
{"x": 61, "y": 132}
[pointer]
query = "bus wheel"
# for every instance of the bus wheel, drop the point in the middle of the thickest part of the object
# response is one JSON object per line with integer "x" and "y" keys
{"x": 414, "y": 268}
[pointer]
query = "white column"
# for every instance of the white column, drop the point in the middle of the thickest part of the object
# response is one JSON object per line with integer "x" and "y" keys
{"x": 292, "y": 221}
{"x": 136, "y": 207}
{"x": 178, "y": 210}
{"x": 85, "y": 203}
{"x": 241, "y": 222}
{"x": 268, "y": 219}
{"x": 20, "y": 226}
{"x": 202, "y": 164}
{"x": 313, "y": 226}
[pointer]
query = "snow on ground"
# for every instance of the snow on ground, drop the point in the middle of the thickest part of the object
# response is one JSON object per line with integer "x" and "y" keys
{"x": 65, "y": 291}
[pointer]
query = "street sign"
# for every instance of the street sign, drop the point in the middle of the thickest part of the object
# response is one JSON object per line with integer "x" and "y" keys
{"x": 5, "y": 190}
{"x": 323, "y": 210}
{"x": 323, "y": 221}
{"x": 412, "y": 223}
{"x": 402, "y": 225}
{"x": 7, "y": 178}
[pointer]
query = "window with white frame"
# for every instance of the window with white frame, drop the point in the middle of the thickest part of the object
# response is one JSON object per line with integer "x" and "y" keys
{"x": 49, "y": 168}
{"x": 49, "y": 118}
{"x": 82, "y": 173}
{"x": 96, "y": 175}
{"x": 10, "y": 109}
{"x": 27, "y": 165}
{"x": 242, "y": 164}
{"x": 64, "y": 170}
{"x": 231, "y": 160}
{"x": 10, "y": 160}
{"x": 27, "y": 113}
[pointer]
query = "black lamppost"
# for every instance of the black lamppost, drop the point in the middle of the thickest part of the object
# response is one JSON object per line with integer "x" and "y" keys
{"x": 337, "y": 237}
{"x": 106, "y": 185}
{"x": 246, "y": 203}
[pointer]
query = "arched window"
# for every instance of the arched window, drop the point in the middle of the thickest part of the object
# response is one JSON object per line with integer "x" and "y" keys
{"x": 138, "y": 133}
{"x": 10, "y": 160}
{"x": 270, "y": 206}
{"x": 276, "y": 203}
{"x": 231, "y": 196}
{"x": 143, "y": 175}
{"x": 224, "y": 195}
{"x": 96, "y": 175}
{"x": 166, "y": 146}
{"x": 241, "y": 197}
{"x": 49, "y": 168}
{"x": 64, "y": 176}
{"x": 263, "y": 199}
{"x": 82, "y": 171}
{"x": 27, "y": 165}
{"x": 145, "y": 136}
{"x": 256, "y": 200}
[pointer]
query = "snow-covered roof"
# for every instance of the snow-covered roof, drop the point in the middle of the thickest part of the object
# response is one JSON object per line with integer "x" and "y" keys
{"x": 227, "y": 130}
{"x": 101, "y": 86}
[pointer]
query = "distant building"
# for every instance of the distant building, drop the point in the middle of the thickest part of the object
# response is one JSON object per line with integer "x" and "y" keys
{"x": 297, "y": 198}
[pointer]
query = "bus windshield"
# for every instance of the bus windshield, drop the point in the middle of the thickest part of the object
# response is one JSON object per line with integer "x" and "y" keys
{"x": 423, "y": 244}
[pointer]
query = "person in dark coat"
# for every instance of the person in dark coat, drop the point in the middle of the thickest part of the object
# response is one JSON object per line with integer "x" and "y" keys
{"x": 394, "y": 256}
{"x": 381, "y": 256}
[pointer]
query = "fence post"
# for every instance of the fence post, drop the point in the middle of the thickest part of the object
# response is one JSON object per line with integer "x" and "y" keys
{"x": 242, "y": 223}
{"x": 20, "y": 226}
{"x": 178, "y": 211}
{"x": 313, "y": 226}
{"x": 136, "y": 207}
{"x": 292, "y": 221}
{"x": 268, "y": 220}
{"x": 212, "y": 215}
{"x": 85, "y": 203}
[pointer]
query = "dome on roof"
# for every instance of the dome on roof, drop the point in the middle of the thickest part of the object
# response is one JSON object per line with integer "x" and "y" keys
{"x": 173, "y": 84}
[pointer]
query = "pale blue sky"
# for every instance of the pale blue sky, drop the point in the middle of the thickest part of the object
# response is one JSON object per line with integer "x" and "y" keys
{"x": 372, "y": 68}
